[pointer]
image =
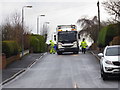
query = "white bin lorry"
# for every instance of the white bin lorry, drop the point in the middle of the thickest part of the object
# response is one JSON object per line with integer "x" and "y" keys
{"x": 67, "y": 39}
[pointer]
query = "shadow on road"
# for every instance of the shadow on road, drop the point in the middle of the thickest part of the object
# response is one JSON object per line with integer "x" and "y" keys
{"x": 113, "y": 78}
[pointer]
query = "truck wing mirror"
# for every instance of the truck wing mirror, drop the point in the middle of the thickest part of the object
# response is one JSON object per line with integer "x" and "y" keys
{"x": 78, "y": 36}
{"x": 55, "y": 37}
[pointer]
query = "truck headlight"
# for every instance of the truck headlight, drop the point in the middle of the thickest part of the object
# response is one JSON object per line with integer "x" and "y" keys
{"x": 75, "y": 44}
{"x": 108, "y": 62}
{"x": 59, "y": 45}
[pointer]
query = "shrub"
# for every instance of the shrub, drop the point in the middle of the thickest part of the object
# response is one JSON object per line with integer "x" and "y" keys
{"x": 101, "y": 37}
{"x": 107, "y": 34}
{"x": 37, "y": 43}
{"x": 115, "y": 41}
{"x": 10, "y": 48}
{"x": 34, "y": 44}
{"x": 26, "y": 41}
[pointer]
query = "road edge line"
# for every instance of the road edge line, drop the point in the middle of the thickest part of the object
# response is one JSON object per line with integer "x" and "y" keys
{"x": 95, "y": 55}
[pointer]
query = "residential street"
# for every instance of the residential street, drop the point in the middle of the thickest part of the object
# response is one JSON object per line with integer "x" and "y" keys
{"x": 63, "y": 71}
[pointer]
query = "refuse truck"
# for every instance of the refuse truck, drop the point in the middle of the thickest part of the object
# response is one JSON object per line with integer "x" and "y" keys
{"x": 67, "y": 39}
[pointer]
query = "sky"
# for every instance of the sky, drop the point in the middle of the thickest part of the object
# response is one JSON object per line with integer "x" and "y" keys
{"x": 56, "y": 12}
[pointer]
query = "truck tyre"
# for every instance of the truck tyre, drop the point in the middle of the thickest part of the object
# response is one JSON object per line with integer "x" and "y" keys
{"x": 59, "y": 53}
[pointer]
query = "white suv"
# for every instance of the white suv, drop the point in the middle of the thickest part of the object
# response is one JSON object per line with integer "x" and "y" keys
{"x": 110, "y": 61}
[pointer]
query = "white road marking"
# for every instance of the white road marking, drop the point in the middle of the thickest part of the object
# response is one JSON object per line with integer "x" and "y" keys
{"x": 75, "y": 85}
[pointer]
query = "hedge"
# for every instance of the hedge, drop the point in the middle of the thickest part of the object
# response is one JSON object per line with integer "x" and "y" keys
{"x": 37, "y": 43}
{"x": 101, "y": 37}
{"x": 107, "y": 34}
{"x": 10, "y": 48}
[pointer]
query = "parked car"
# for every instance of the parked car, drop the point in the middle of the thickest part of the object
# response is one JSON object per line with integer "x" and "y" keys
{"x": 110, "y": 61}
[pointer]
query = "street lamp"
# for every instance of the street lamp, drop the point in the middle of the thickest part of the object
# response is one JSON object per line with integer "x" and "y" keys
{"x": 38, "y": 22}
{"x": 23, "y": 27}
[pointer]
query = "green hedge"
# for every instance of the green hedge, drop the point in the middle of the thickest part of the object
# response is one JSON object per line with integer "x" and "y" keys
{"x": 37, "y": 43}
{"x": 34, "y": 44}
{"x": 107, "y": 34}
{"x": 10, "y": 48}
{"x": 101, "y": 37}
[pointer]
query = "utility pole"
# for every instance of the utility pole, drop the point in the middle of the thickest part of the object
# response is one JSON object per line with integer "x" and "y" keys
{"x": 98, "y": 15}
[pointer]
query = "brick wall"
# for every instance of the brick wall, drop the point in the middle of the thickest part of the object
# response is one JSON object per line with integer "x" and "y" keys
{"x": 5, "y": 61}
{"x": 2, "y": 61}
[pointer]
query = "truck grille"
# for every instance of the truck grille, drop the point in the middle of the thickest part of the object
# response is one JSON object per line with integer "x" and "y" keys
{"x": 116, "y": 63}
{"x": 68, "y": 46}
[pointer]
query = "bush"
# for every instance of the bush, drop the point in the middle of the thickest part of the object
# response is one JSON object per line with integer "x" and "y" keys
{"x": 26, "y": 41}
{"x": 93, "y": 46}
{"x": 107, "y": 34}
{"x": 10, "y": 48}
{"x": 115, "y": 41}
{"x": 101, "y": 37}
{"x": 34, "y": 44}
{"x": 37, "y": 44}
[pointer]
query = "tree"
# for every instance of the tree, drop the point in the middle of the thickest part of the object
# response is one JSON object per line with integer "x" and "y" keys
{"x": 113, "y": 8}
{"x": 86, "y": 23}
{"x": 89, "y": 27}
{"x": 12, "y": 30}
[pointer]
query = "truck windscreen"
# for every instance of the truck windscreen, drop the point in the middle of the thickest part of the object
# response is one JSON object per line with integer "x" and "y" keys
{"x": 67, "y": 36}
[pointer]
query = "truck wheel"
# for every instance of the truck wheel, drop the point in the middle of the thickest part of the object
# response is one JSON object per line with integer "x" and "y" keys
{"x": 59, "y": 53}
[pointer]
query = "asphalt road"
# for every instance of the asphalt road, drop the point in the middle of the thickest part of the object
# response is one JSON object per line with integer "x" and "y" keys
{"x": 63, "y": 71}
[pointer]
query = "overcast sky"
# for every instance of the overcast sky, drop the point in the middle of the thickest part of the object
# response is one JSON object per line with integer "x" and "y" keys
{"x": 57, "y": 11}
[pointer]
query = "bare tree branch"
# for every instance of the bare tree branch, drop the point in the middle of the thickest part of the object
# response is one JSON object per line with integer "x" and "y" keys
{"x": 113, "y": 8}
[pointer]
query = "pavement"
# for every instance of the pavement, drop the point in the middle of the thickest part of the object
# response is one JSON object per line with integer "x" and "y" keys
{"x": 19, "y": 66}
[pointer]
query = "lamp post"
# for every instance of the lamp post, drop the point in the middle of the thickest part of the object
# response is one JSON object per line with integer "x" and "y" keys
{"x": 38, "y": 22}
{"x": 23, "y": 27}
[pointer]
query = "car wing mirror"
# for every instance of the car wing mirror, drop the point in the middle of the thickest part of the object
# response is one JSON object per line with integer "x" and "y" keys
{"x": 100, "y": 55}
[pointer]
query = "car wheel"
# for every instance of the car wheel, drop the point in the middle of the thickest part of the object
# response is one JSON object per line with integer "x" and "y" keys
{"x": 103, "y": 75}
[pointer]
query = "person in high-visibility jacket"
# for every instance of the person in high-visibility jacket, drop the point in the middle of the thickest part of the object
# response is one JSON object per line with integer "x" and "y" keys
{"x": 52, "y": 50}
{"x": 83, "y": 45}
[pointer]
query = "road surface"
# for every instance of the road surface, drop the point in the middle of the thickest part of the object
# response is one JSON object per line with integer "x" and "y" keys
{"x": 63, "y": 71}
